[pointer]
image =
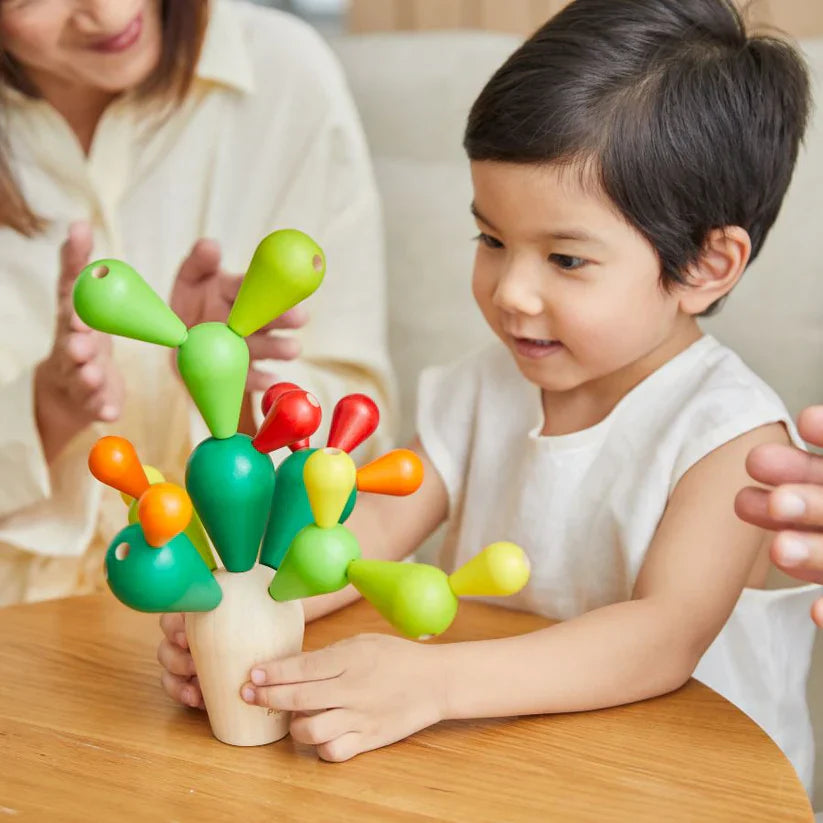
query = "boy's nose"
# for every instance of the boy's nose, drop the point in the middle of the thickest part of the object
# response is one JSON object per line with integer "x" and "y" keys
{"x": 517, "y": 294}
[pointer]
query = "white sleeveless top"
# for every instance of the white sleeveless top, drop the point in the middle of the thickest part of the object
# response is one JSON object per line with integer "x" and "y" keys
{"x": 586, "y": 506}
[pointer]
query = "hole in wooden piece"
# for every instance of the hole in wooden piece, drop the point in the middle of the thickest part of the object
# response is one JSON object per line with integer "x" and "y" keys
{"x": 99, "y": 272}
{"x": 122, "y": 551}
{"x": 317, "y": 262}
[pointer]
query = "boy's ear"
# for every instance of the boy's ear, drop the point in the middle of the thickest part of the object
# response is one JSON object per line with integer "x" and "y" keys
{"x": 722, "y": 262}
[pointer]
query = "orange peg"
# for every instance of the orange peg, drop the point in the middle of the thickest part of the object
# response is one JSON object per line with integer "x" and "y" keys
{"x": 113, "y": 461}
{"x": 164, "y": 511}
{"x": 398, "y": 472}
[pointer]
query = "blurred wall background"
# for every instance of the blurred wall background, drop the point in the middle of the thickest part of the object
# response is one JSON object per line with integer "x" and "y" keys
{"x": 801, "y": 18}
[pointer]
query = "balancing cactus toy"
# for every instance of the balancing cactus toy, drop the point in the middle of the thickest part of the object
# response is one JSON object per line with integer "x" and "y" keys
{"x": 279, "y": 533}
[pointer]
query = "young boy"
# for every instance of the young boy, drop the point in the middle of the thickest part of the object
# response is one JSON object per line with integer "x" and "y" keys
{"x": 628, "y": 162}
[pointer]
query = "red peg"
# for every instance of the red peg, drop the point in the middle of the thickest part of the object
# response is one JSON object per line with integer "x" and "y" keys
{"x": 272, "y": 393}
{"x": 355, "y": 420}
{"x": 294, "y": 416}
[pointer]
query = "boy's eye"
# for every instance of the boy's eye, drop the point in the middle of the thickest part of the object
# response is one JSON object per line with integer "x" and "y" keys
{"x": 488, "y": 240}
{"x": 567, "y": 262}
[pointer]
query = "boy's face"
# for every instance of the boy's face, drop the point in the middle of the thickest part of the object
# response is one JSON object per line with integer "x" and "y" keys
{"x": 566, "y": 283}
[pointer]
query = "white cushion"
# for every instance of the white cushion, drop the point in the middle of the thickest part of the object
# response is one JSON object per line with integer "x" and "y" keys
{"x": 414, "y": 92}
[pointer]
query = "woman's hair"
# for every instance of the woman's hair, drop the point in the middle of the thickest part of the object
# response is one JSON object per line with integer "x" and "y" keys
{"x": 184, "y": 26}
{"x": 686, "y": 122}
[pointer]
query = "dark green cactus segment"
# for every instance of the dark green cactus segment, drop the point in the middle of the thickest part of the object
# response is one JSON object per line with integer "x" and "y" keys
{"x": 169, "y": 579}
{"x": 231, "y": 485}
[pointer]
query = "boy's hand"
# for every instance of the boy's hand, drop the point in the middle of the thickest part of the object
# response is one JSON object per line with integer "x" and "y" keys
{"x": 179, "y": 678}
{"x": 357, "y": 695}
{"x": 203, "y": 292}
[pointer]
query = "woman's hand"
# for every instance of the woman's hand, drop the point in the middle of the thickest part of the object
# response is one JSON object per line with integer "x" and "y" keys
{"x": 357, "y": 695}
{"x": 78, "y": 383}
{"x": 793, "y": 507}
{"x": 203, "y": 292}
{"x": 178, "y": 677}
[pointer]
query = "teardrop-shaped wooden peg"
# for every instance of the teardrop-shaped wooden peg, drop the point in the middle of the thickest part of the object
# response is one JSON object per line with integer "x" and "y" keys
{"x": 399, "y": 472}
{"x": 329, "y": 476}
{"x": 110, "y": 296}
{"x": 354, "y": 420}
{"x": 286, "y": 268}
{"x": 272, "y": 393}
{"x": 113, "y": 461}
{"x": 501, "y": 569}
{"x": 164, "y": 510}
{"x": 294, "y": 416}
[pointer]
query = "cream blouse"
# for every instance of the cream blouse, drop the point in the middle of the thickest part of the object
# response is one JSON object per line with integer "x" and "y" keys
{"x": 268, "y": 138}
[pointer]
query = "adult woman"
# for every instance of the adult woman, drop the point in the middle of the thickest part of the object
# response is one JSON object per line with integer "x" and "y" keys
{"x": 155, "y": 124}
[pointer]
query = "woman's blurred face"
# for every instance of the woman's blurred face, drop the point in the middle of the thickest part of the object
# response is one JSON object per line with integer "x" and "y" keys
{"x": 105, "y": 45}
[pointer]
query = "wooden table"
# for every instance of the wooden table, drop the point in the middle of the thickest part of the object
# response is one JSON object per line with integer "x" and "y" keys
{"x": 87, "y": 735}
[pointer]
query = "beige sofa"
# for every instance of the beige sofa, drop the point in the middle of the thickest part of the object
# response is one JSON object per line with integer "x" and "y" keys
{"x": 414, "y": 91}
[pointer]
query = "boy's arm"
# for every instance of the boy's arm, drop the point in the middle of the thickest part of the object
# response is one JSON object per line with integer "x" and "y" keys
{"x": 698, "y": 564}
{"x": 389, "y": 528}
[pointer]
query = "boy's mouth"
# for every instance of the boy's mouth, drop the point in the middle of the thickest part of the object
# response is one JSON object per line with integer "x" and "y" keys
{"x": 535, "y": 348}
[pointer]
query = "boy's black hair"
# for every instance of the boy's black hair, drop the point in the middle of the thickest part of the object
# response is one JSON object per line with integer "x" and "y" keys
{"x": 688, "y": 123}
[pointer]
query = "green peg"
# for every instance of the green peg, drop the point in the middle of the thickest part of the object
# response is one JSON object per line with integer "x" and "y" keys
{"x": 194, "y": 531}
{"x": 290, "y": 509}
{"x": 315, "y": 563}
{"x": 231, "y": 485}
{"x": 112, "y": 297}
{"x": 172, "y": 578}
{"x": 414, "y": 597}
{"x": 286, "y": 268}
{"x": 214, "y": 363}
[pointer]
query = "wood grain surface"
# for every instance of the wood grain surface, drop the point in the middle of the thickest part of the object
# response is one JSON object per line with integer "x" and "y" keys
{"x": 86, "y": 734}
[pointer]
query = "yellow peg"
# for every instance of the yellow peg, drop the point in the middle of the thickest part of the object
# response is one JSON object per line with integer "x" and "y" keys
{"x": 329, "y": 476}
{"x": 500, "y": 569}
{"x": 153, "y": 475}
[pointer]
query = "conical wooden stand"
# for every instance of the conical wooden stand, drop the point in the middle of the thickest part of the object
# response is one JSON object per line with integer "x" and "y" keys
{"x": 247, "y": 628}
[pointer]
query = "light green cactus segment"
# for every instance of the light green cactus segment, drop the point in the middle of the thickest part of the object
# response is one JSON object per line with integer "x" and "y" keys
{"x": 112, "y": 297}
{"x": 315, "y": 563}
{"x": 414, "y": 597}
{"x": 286, "y": 268}
{"x": 197, "y": 534}
{"x": 231, "y": 485}
{"x": 214, "y": 362}
{"x": 194, "y": 531}
{"x": 169, "y": 579}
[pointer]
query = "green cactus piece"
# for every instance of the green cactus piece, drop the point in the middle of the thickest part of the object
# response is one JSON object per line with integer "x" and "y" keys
{"x": 315, "y": 563}
{"x": 414, "y": 597}
{"x": 214, "y": 363}
{"x": 286, "y": 268}
{"x": 112, "y": 297}
{"x": 231, "y": 486}
{"x": 166, "y": 579}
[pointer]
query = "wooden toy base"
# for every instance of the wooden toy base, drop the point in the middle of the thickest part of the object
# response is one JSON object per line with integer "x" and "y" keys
{"x": 247, "y": 628}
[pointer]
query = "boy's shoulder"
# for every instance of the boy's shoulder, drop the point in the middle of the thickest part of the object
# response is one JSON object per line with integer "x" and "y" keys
{"x": 714, "y": 376}
{"x": 705, "y": 397}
